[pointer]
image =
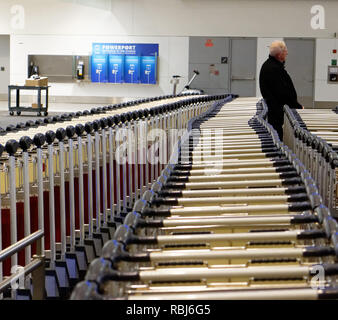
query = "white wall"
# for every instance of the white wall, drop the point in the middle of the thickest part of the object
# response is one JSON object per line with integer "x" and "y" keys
{"x": 263, "y": 18}
{"x": 4, "y": 62}
{"x": 173, "y": 59}
{"x": 70, "y": 26}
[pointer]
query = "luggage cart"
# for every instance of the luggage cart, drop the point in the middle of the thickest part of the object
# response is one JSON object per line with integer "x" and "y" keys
{"x": 54, "y": 178}
{"x": 314, "y": 139}
{"x": 198, "y": 234}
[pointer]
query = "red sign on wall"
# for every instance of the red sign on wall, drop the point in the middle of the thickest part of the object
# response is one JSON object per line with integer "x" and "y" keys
{"x": 209, "y": 43}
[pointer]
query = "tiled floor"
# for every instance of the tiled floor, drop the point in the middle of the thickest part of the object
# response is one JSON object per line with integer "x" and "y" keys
{"x": 53, "y": 109}
{"x": 59, "y": 107}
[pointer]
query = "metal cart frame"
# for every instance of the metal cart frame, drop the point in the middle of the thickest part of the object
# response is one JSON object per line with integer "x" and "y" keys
{"x": 18, "y": 109}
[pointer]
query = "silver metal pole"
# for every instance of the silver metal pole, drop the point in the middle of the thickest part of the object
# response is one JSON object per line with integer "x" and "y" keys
{"x": 141, "y": 153}
{"x": 51, "y": 204}
{"x": 265, "y": 294}
{"x": 12, "y": 190}
{"x": 81, "y": 190}
{"x": 164, "y": 142}
{"x": 175, "y": 126}
{"x": 152, "y": 165}
{"x": 179, "y": 274}
{"x": 136, "y": 160}
{"x": 40, "y": 195}
{"x": 124, "y": 173}
{"x": 90, "y": 185}
{"x": 62, "y": 200}
{"x": 156, "y": 168}
{"x": 111, "y": 174}
{"x": 172, "y": 132}
{"x": 146, "y": 154}
{"x": 97, "y": 181}
{"x": 118, "y": 178}
{"x": 71, "y": 195}
{"x": 160, "y": 145}
{"x": 130, "y": 164}
{"x": 104, "y": 175}
{"x": 26, "y": 193}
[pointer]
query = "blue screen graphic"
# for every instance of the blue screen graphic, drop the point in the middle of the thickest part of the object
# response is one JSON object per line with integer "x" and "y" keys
{"x": 132, "y": 69}
{"x": 99, "y": 68}
{"x": 148, "y": 70}
{"x": 116, "y": 68}
{"x": 121, "y": 62}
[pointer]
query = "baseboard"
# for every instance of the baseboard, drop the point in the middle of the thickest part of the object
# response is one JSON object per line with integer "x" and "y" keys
{"x": 70, "y": 99}
{"x": 88, "y": 99}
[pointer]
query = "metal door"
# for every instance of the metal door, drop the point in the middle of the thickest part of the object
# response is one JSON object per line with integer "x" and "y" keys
{"x": 243, "y": 66}
{"x": 300, "y": 66}
{"x": 210, "y": 55}
{"x": 4, "y": 64}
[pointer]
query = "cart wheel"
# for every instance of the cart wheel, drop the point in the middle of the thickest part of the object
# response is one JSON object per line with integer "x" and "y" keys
{"x": 11, "y": 113}
{"x": 18, "y": 113}
{"x": 46, "y": 113}
{"x": 39, "y": 114}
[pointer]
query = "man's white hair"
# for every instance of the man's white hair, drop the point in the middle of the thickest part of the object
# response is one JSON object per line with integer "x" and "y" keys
{"x": 277, "y": 47}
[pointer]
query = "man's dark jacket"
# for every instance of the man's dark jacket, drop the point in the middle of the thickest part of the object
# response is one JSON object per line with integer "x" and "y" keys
{"x": 277, "y": 89}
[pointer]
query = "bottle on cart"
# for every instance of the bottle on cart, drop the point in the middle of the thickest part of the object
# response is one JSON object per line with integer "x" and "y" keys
{"x": 33, "y": 70}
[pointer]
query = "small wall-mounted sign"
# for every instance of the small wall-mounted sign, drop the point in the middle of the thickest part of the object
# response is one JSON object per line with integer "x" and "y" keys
{"x": 333, "y": 74}
{"x": 209, "y": 43}
{"x": 213, "y": 71}
{"x": 224, "y": 60}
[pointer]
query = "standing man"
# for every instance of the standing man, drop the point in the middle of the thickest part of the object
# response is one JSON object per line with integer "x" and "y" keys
{"x": 277, "y": 87}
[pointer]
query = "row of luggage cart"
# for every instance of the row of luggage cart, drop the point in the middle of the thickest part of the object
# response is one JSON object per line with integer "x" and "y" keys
{"x": 234, "y": 215}
{"x": 68, "y": 181}
{"x": 313, "y": 135}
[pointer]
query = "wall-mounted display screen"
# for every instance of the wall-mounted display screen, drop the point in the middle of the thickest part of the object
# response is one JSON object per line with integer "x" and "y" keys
{"x": 116, "y": 68}
{"x": 148, "y": 69}
{"x": 124, "y": 63}
{"x": 132, "y": 69}
{"x": 99, "y": 68}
